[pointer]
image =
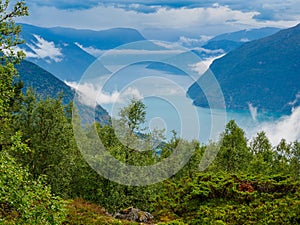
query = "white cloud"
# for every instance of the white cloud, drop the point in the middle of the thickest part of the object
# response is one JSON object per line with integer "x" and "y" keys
{"x": 203, "y": 65}
{"x": 253, "y": 111}
{"x": 212, "y": 52}
{"x": 91, "y": 95}
{"x": 168, "y": 45}
{"x": 185, "y": 43}
{"x": 287, "y": 127}
{"x": 296, "y": 100}
{"x": 91, "y": 50}
{"x": 191, "y": 42}
{"x": 198, "y": 20}
{"x": 44, "y": 50}
{"x": 244, "y": 40}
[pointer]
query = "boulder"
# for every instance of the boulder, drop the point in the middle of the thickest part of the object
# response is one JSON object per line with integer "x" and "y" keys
{"x": 135, "y": 215}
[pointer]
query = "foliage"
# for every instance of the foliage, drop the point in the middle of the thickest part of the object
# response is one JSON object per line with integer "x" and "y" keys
{"x": 48, "y": 133}
{"x": 23, "y": 200}
{"x": 82, "y": 212}
{"x": 133, "y": 115}
{"x": 222, "y": 198}
{"x": 44, "y": 83}
{"x": 253, "y": 74}
{"x": 255, "y": 183}
{"x": 234, "y": 154}
{"x": 9, "y": 39}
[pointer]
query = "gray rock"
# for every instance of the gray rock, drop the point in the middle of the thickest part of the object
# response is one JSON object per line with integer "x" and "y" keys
{"x": 133, "y": 214}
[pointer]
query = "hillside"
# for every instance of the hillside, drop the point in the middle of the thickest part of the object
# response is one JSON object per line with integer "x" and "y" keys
{"x": 67, "y": 52}
{"x": 43, "y": 82}
{"x": 103, "y": 39}
{"x": 264, "y": 73}
{"x": 219, "y": 45}
{"x": 246, "y": 35}
{"x": 47, "y": 85}
{"x": 230, "y": 41}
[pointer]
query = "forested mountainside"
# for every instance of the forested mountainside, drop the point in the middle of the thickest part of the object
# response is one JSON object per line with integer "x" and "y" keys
{"x": 263, "y": 72}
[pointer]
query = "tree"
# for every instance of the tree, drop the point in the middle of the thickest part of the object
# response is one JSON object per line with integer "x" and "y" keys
{"x": 234, "y": 154}
{"x": 135, "y": 144}
{"x": 9, "y": 39}
{"x": 49, "y": 135}
{"x": 133, "y": 115}
{"x": 22, "y": 199}
{"x": 263, "y": 156}
{"x": 295, "y": 160}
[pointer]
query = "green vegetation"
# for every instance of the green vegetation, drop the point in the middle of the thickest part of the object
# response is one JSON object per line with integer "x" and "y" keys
{"x": 263, "y": 72}
{"x": 44, "y": 178}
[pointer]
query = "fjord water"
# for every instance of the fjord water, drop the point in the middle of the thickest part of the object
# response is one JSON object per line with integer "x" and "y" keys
{"x": 168, "y": 107}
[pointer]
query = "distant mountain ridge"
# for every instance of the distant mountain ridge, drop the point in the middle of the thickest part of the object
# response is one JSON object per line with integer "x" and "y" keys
{"x": 61, "y": 51}
{"x": 219, "y": 45}
{"x": 264, "y": 72}
{"x": 102, "y": 39}
{"x": 230, "y": 41}
{"x": 247, "y": 35}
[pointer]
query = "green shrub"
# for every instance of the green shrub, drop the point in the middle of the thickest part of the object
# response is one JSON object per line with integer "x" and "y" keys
{"x": 22, "y": 199}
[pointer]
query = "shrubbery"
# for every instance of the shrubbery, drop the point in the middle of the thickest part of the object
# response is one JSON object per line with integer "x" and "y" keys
{"x": 41, "y": 168}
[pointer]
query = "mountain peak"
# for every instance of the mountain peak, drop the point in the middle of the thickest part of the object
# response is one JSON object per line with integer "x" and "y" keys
{"x": 68, "y": 52}
{"x": 263, "y": 72}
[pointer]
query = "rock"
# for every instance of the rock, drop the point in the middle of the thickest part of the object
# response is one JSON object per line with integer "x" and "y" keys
{"x": 135, "y": 215}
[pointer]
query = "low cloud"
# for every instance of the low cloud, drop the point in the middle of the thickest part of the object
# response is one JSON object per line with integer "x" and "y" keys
{"x": 91, "y": 50}
{"x": 287, "y": 127}
{"x": 191, "y": 42}
{"x": 138, "y": 8}
{"x": 296, "y": 100}
{"x": 91, "y": 95}
{"x": 253, "y": 111}
{"x": 204, "y": 65}
{"x": 44, "y": 49}
{"x": 244, "y": 40}
{"x": 211, "y": 52}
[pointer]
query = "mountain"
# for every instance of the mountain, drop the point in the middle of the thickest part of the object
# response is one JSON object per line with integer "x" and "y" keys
{"x": 44, "y": 83}
{"x": 264, "y": 73}
{"x": 103, "y": 39}
{"x": 47, "y": 85}
{"x": 218, "y": 45}
{"x": 230, "y": 41}
{"x": 64, "y": 51}
{"x": 247, "y": 35}
{"x": 225, "y": 45}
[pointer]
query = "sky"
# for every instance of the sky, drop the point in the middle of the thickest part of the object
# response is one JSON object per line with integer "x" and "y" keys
{"x": 154, "y": 18}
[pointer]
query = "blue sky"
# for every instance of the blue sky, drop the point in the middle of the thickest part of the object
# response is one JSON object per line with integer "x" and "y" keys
{"x": 152, "y": 17}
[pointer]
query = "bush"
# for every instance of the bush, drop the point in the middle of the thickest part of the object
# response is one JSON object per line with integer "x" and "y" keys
{"x": 24, "y": 200}
{"x": 223, "y": 198}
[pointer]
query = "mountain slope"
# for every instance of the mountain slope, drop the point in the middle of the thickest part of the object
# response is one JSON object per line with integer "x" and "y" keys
{"x": 230, "y": 41}
{"x": 62, "y": 51}
{"x": 221, "y": 44}
{"x": 47, "y": 85}
{"x": 265, "y": 73}
{"x": 43, "y": 82}
{"x": 247, "y": 35}
{"x": 103, "y": 39}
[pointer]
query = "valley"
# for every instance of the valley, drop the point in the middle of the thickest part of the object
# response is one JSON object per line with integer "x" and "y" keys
{"x": 149, "y": 112}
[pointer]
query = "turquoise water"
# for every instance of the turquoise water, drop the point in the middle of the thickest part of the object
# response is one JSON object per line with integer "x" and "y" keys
{"x": 168, "y": 108}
